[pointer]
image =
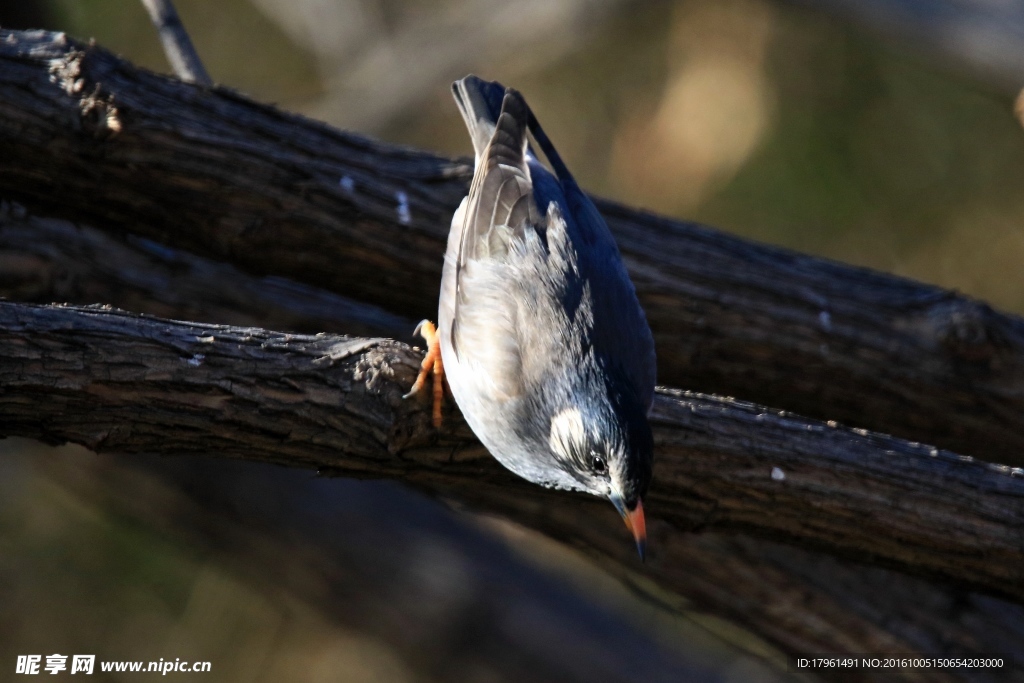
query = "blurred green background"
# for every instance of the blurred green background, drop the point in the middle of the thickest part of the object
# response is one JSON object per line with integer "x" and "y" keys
{"x": 858, "y": 141}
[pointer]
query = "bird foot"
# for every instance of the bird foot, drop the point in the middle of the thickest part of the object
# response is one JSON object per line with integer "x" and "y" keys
{"x": 431, "y": 365}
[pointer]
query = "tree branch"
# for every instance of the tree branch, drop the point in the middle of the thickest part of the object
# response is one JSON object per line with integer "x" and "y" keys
{"x": 450, "y": 600}
{"x": 717, "y": 476}
{"x": 748, "y": 581}
{"x": 45, "y": 259}
{"x": 86, "y": 135}
{"x": 181, "y": 54}
{"x": 799, "y": 600}
{"x": 117, "y": 382}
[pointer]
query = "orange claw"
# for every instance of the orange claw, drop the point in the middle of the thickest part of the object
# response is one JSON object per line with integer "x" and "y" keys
{"x": 431, "y": 362}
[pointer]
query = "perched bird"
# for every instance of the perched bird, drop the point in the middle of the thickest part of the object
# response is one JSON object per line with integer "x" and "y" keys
{"x": 540, "y": 335}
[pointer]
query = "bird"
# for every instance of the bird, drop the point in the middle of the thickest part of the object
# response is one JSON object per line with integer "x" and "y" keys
{"x": 540, "y": 336}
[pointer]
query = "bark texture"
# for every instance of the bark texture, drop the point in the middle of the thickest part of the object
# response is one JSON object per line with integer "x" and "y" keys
{"x": 46, "y": 260}
{"x": 743, "y": 476}
{"x": 118, "y": 382}
{"x": 86, "y": 135}
{"x": 816, "y": 537}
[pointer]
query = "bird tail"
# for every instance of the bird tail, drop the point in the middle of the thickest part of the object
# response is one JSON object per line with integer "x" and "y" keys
{"x": 479, "y": 102}
{"x": 500, "y": 202}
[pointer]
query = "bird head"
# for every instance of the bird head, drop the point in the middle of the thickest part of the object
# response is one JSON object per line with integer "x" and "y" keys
{"x": 606, "y": 446}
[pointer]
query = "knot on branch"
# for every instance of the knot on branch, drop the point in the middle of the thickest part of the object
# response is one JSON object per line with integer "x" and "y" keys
{"x": 972, "y": 332}
{"x": 388, "y": 369}
{"x": 98, "y": 115}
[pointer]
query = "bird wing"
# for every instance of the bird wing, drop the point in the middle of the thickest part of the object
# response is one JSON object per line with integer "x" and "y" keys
{"x": 479, "y": 294}
{"x": 623, "y": 338}
{"x": 500, "y": 204}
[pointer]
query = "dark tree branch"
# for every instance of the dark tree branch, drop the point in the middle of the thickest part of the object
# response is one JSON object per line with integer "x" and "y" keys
{"x": 44, "y": 260}
{"x": 181, "y": 53}
{"x": 117, "y": 382}
{"x": 120, "y": 383}
{"x": 449, "y": 599}
{"x": 800, "y": 600}
{"x": 717, "y": 476}
{"x": 827, "y": 602}
{"x": 86, "y": 135}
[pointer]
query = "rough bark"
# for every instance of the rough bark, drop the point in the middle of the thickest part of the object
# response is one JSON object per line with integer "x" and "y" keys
{"x": 801, "y": 600}
{"x": 86, "y": 135}
{"x": 122, "y": 383}
{"x": 117, "y": 382}
{"x": 45, "y": 260}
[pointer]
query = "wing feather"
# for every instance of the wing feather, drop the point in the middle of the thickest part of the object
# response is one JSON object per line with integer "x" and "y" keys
{"x": 500, "y": 205}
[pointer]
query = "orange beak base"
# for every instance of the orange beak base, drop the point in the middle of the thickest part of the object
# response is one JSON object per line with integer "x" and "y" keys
{"x": 635, "y": 522}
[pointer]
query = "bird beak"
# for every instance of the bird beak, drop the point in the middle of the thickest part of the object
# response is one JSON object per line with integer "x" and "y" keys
{"x": 635, "y": 522}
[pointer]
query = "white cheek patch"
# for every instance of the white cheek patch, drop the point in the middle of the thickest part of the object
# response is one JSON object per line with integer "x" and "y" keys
{"x": 567, "y": 432}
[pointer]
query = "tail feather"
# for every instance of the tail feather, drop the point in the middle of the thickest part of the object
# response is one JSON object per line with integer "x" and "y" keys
{"x": 500, "y": 201}
{"x": 549, "y": 149}
{"x": 479, "y": 101}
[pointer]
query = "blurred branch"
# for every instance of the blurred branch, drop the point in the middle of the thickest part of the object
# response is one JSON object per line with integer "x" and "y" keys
{"x": 197, "y": 155}
{"x": 88, "y": 136}
{"x": 118, "y": 382}
{"x": 746, "y": 580}
{"x": 366, "y": 56}
{"x": 452, "y": 601}
{"x": 45, "y": 259}
{"x": 181, "y": 53}
{"x": 828, "y": 605}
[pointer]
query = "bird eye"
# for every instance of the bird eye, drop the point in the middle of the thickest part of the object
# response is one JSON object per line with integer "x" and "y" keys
{"x": 597, "y": 463}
